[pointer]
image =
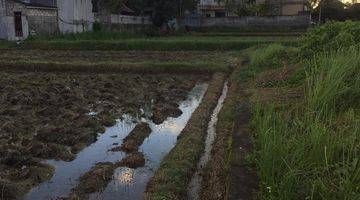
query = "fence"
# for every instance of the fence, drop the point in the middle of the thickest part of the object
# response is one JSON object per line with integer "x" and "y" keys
{"x": 124, "y": 23}
{"x": 256, "y": 22}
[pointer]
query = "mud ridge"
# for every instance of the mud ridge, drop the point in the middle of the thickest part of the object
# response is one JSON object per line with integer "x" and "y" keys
{"x": 171, "y": 179}
{"x": 101, "y": 175}
{"x": 136, "y": 137}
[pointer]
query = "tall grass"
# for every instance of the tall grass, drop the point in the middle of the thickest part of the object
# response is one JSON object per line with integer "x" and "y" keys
{"x": 334, "y": 81}
{"x": 312, "y": 150}
{"x": 272, "y": 56}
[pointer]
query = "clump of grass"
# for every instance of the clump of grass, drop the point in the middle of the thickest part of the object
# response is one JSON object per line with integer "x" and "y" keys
{"x": 271, "y": 56}
{"x": 334, "y": 81}
{"x": 311, "y": 151}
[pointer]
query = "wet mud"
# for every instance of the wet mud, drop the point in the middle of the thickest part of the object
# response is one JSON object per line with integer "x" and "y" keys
{"x": 54, "y": 116}
{"x": 137, "y": 136}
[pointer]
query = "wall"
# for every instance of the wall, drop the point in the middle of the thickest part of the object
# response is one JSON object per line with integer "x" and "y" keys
{"x": 75, "y": 16}
{"x": 292, "y": 9}
{"x": 255, "y": 22}
{"x": 7, "y": 22}
{"x": 42, "y": 21}
{"x": 124, "y": 23}
{"x": 3, "y": 21}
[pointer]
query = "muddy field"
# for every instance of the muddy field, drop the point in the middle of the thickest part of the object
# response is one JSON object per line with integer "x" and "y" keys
{"x": 112, "y": 56}
{"x": 55, "y": 115}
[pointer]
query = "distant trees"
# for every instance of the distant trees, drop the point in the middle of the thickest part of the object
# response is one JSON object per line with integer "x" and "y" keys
{"x": 246, "y": 7}
{"x": 326, "y": 10}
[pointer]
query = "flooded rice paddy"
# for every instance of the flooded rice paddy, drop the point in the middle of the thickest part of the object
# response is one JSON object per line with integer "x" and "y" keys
{"x": 126, "y": 183}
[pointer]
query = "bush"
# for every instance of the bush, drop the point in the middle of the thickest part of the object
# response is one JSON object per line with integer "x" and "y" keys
{"x": 330, "y": 36}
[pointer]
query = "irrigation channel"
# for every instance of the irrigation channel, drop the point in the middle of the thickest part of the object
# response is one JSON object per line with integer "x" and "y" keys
{"x": 127, "y": 183}
{"x": 195, "y": 183}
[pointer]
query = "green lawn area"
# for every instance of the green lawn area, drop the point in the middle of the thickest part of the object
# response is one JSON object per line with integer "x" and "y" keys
{"x": 119, "y": 41}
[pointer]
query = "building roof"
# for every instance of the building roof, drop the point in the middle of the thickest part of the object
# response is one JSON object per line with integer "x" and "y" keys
{"x": 124, "y": 8}
{"x": 38, "y": 3}
{"x": 48, "y": 3}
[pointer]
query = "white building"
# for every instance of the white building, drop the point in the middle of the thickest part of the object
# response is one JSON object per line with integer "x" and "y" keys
{"x": 20, "y": 18}
{"x": 75, "y": 16}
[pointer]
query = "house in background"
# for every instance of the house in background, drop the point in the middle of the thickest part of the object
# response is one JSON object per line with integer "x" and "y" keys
{"x": 216, "y": 8}
{"x": 21, "y": 18}
{"x": 75, "y": 16}
{"x": 213, "y": 8}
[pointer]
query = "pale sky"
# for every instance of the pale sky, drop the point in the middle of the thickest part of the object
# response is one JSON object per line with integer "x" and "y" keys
{"x": 349, "y": 1}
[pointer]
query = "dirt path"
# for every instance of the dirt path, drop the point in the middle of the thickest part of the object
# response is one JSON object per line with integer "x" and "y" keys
{"x": 243, "y": 180}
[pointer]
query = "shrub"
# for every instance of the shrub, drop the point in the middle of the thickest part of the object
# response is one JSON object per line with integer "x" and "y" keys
{"x": 330, "y": 36}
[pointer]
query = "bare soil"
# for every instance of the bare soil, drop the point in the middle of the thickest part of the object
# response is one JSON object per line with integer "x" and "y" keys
{"x": 55, "y": 115}
{"x": 243, "y": 177}
{"x": 228, "y": 175}
{"x": 109, "y": 56}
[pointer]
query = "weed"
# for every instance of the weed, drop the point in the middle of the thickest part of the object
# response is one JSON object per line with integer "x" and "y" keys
{"x": 312, "y": 150}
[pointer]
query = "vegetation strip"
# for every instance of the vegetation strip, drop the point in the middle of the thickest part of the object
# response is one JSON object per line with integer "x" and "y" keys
{"x": 176, "y": 169}
{"x": 148, "y": 45}
{"x": 318, "y": 124}
{"x": 153, "y": 68}
{"x": 174, "y": 43}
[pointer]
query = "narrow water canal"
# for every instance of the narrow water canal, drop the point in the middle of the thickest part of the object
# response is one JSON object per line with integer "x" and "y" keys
{"x": 127, "y": 183}
{"x": 195, "y": 183}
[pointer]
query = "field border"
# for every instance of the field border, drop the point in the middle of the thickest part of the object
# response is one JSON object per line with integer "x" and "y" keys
{"x": 171, "y": 179}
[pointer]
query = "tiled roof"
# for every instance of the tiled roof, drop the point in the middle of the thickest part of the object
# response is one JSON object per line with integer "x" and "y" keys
{"x": 40, "y": 3}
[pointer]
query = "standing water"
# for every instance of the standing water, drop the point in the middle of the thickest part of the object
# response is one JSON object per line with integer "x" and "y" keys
{"x": 130, "y": 184}
{"x": 127, "y": 183}
{"x": 195, "y": 183}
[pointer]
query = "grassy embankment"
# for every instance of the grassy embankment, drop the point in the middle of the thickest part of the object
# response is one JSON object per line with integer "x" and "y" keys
{"x": 307, "y": 145}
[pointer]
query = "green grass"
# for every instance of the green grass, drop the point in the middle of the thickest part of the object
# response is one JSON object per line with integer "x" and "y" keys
{"x": 311, "y": 150}
{"x": 271, "y": 56}
{"x": 5, "y": 44}
{"x": 265, "y": 57}
{"x": 172, "y": 43}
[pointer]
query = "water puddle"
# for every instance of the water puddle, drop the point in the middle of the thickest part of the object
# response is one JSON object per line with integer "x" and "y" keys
{"x": 195, "y": 183}
{"x": 130, "y": 184}
{"x": 127, "y": 183}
